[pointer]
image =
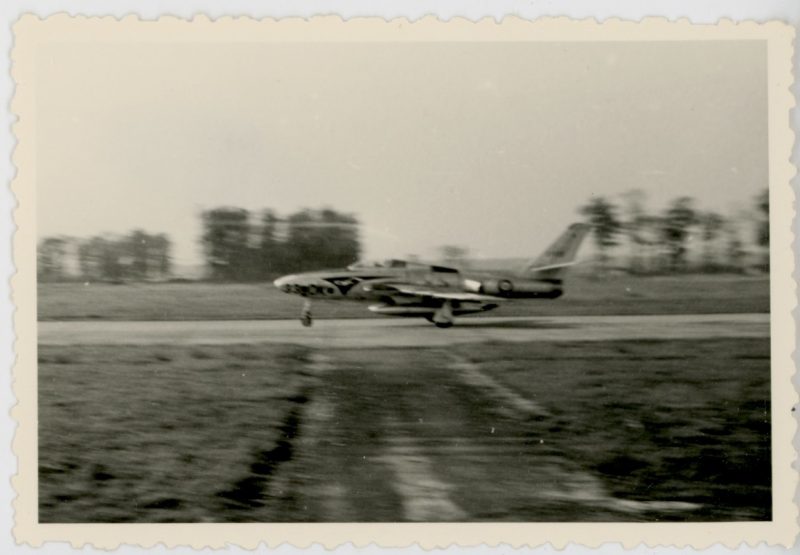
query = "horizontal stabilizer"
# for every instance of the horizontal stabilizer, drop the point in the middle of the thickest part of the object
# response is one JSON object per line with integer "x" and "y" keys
{"x": 551, "y": 267}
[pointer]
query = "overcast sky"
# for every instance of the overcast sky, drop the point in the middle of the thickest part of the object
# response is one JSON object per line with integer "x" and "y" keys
{"x": 494, "y": 145}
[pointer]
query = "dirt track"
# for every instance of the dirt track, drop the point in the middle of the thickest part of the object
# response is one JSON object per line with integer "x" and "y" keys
{"x": 442, "y": 447}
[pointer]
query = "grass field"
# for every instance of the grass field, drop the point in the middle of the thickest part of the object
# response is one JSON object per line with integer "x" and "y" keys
{"x": 665, "y": 418}
{"x": 262, "y": 432}
{"x": 155, "y": 434}
{"x": 204, "y": 301}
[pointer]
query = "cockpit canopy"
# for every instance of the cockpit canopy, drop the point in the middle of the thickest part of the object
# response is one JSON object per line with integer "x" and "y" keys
{"x": 390, "y": 263}
{"x": 395, "y": 263}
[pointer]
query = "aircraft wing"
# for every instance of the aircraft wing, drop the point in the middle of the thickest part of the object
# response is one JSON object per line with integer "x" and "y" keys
{"x": 446, "y": 295}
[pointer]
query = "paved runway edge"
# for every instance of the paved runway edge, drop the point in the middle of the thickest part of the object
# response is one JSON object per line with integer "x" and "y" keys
{"x": 406, "y": 333}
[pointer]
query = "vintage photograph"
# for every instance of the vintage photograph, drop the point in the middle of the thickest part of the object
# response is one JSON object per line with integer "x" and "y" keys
{"x": 403, "y": 280}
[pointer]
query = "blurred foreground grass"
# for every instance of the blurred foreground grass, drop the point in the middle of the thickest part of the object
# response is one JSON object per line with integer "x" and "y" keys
{"x": 623, "y": 294}
{"x": 156, "y": 433}
{"x": 180, "y": 433}
{"x": 687, "y": 420}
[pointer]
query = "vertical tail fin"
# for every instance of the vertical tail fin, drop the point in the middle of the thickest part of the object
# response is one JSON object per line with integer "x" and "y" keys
{"x": 560, "y": 255}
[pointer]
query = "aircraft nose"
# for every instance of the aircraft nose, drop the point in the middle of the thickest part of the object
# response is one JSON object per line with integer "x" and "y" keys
{"x": 283, "y": 283}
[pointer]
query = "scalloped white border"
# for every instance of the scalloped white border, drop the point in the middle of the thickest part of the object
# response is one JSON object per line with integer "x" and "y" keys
{"x": 31, "y": 31}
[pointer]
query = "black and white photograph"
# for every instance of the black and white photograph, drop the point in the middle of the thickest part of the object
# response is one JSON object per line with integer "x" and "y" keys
{"x": 406, "y": 280}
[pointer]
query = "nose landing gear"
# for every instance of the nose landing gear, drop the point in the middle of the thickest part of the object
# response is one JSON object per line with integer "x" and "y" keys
{"x": 305, "y": 314}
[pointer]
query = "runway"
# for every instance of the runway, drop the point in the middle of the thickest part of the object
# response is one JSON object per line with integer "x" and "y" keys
{"x": 393, "y": 332}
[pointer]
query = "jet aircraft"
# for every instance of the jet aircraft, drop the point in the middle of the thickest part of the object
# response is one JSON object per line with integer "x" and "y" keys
{"x": 437, "y": 293}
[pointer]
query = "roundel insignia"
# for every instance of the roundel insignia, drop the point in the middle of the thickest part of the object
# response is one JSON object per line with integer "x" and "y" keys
{"x": 505, "y": 286}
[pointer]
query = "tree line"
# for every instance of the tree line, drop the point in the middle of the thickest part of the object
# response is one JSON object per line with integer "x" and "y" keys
{"x": 241, "y": 246}
{"x": 660, "y": 242}
{"x": 136, "y": 255}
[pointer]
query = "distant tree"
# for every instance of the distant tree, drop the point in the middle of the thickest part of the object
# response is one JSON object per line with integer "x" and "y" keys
{"x": 321, "y": 238}
{"x": 135, "y": 256}
{"x": 602, "y": 216}
{"x": 303, "y": 242}
{"x": 734, "y": 250}
{"x": 51, "y": 259}
{"x": 90, "y": 253}
{"x": 340, "y": 233}
{"x": 86, "y": 260}
{"x": 635, "y": 227}
{"x": 711, "y": 225}
{"x": 159, "y": 256}
{"x": 226, "y": 243}
{"x": 138, "y": 250}
{"x": 762, "y": 229}
{"x": 108, "y": 254}
{"x": 650, "y": 237}
{"x": 99, "y": 259}
{"x": 272, "y": 253}
{"x": 236, "y": 249}
{"x": 676, "y": 223}
{"x": 762, "y": 204}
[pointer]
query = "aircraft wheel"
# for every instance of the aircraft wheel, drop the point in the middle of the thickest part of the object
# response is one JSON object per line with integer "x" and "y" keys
{"x": 443, "y": 318}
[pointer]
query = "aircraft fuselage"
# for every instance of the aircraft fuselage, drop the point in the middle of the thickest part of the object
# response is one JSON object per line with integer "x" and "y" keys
{"x": 437, "y": 293}
{"x": 374, "y": 285}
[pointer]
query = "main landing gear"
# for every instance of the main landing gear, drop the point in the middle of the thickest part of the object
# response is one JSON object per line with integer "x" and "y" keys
{"x": 305, "y": 314}
{"x": 443, "y": 317}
